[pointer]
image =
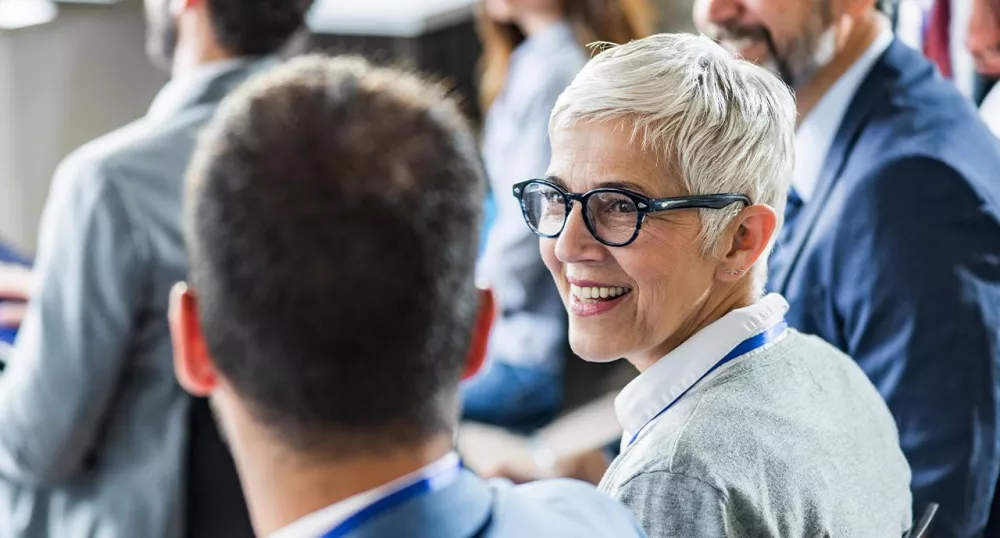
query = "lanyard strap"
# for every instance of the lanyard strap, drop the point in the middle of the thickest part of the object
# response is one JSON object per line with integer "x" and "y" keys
{"x": 428, "y": 484}
{"x": 744, "y": 347}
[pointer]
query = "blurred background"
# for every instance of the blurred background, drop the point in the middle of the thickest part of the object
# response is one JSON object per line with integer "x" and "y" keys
{"x": 85, "y": 72}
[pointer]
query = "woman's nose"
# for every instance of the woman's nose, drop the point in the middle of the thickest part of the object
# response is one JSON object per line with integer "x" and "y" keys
{"x": 576, "y": 244}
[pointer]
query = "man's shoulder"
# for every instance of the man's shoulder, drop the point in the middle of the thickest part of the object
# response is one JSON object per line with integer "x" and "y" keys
{"x": 559, "y": 508}
{"x": 133, "y": 155}
{"x": 927, "y": 120}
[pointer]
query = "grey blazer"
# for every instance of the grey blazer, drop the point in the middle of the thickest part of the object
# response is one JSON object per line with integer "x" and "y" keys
{"x": 93, "y": 425}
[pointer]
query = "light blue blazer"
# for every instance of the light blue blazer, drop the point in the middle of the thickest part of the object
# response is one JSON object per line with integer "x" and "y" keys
{"x": 474, "y": 508}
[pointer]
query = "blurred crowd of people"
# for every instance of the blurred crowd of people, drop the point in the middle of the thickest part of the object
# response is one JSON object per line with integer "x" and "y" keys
{"x": 264, "y": 309}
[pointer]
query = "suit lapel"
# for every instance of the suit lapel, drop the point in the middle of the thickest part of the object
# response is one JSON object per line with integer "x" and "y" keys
{"x": 872, "y": 91}
{"x": 461, "y": 510}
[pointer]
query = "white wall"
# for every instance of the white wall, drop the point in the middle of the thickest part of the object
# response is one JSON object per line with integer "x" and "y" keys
{"x": 675, "y": 15}
{"x": 62, "y": 84}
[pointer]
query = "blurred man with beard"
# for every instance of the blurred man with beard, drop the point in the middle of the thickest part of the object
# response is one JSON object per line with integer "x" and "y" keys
{"x": 984, "y": 43}
{"x": 93, "y": 426}
{"x": 891, "y": 249}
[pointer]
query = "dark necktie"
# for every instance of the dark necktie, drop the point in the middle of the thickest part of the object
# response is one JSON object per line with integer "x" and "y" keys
{"x": 792, "y": 210}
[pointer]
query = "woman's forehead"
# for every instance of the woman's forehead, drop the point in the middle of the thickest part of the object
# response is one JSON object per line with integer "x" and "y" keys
{"x": 588, "y": 156}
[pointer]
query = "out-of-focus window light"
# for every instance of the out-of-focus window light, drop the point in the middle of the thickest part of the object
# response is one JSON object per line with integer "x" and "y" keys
{"x": 21, "y": 13}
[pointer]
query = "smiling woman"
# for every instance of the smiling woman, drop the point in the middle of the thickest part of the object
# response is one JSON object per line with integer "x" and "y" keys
{"x": 671, "y": 160}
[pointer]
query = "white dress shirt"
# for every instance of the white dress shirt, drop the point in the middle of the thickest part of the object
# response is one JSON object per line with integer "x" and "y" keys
{"x": 990, "y": 110}
{"x": 681, "y": 369}
{"x": 318, "y": 523}
{"x": 818, "y": 129}
{"x": 180, "y": 88}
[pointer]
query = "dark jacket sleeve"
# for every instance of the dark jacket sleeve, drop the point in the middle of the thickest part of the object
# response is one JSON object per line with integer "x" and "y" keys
{"x": 917, "y": 287}
{"x": 63, "y": 374}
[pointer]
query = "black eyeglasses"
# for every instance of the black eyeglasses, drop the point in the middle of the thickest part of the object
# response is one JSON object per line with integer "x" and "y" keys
{"x": 613, "y": 216}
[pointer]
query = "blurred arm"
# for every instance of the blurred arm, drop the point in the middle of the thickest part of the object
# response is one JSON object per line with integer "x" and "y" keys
{"x": 62, "y": 376}
{"x": 919, "y": 294}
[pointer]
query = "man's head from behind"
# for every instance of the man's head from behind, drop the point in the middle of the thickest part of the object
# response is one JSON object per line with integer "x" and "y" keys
{"x": 238, "y": 27}
{"x": 332, "y": 218}
{"x": 793, "y": 38}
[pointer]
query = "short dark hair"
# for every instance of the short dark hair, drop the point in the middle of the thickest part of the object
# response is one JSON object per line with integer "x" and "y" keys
{"x": 256, "y": 27}
{"x": 332, "y": 223}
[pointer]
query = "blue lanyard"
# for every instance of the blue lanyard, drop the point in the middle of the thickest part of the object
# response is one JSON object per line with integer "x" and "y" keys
{"x": 435, "y": 482}
{"x": 744, "y": 347}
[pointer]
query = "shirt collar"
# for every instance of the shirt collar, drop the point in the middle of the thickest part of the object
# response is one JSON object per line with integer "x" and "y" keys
{"x": 663, "y": 382}
{"x": 818, "y": 128}
{"x": 176, "y": 94}
{"x": 322, "y": 521}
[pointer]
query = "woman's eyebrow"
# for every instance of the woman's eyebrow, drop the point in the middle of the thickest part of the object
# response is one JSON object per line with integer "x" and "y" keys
{"x": 627, "y": 185}
{"x": 555, "y": 179}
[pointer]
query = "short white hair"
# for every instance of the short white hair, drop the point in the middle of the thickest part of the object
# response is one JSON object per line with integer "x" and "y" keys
{"x": 723, "y": 124}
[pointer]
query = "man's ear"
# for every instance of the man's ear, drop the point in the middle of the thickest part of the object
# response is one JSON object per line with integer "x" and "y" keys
{"x": 193, "y": 365}
{"x": 754, "y": 228}
{"x": 481, "y": 333}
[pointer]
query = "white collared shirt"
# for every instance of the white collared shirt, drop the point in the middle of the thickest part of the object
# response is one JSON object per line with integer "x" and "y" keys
{"x": 171, "y": 97}
{"x": 818, "y": 129}
{"x": 990, "y": 110}
{"x": 318, "y": 523}
{"x": 680, "y": 370}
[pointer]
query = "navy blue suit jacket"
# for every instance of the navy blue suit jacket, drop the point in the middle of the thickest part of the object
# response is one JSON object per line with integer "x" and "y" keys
{"x": 896, "y": 261}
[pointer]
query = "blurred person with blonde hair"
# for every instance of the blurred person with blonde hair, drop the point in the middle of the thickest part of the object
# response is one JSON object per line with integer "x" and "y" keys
{"x": 532, "y": 50}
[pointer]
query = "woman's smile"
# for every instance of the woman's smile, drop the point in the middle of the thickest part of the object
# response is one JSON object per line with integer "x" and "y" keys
{"x": 588, "y": 298}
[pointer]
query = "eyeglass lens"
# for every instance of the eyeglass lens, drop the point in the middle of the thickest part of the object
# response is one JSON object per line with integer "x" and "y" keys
{"x": 611, "y": 216}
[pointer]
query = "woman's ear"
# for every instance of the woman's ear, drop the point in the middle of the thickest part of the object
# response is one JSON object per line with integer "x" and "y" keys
{"x": 754, "y": 228}
{"x": 481, "y": 333}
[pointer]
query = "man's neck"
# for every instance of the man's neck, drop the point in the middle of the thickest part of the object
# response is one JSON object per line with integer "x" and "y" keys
{"x": 856, "y": 36}
{"x": 282, "y": 487}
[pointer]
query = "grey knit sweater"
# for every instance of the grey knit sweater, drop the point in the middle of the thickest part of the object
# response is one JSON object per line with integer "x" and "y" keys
{"x": 791, "y": 440}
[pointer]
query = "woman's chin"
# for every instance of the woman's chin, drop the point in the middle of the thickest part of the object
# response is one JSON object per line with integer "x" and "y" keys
{"x": 591, "y": 351}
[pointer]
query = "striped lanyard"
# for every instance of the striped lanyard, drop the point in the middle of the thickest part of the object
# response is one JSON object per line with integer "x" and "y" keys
{"x": 436, "y": 481}
{"x": 744, "y": 347}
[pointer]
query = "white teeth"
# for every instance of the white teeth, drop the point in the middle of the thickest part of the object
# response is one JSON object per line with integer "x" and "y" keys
{"x": 595, "y": 293}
